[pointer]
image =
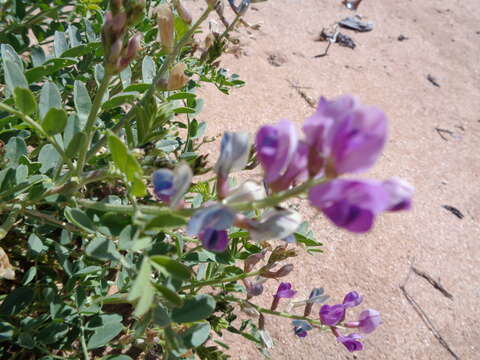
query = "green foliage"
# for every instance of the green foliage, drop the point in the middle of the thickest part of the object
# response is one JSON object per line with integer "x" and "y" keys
{"x": 101, "y": 266}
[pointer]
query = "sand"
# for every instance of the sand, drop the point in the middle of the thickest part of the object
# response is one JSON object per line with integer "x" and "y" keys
{"x": 443, "y": 41}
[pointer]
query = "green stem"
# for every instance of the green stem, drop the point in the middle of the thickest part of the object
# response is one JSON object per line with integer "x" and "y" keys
{"x": 270, "y": 201}
{"x": 151, "y": 91}
{"x": 32, "y": 123}
{"x": 262, "y": 310}
{"x": 89, "y": 127}
{"x": 224, "y": 280}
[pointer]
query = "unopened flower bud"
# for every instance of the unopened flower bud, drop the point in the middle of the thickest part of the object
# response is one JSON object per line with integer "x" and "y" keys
{"x": 253, "y": 260}
{"x": 131, "y": 51}
{"x": 182, "y": 11}
{"x": 165, "y": 23}
{"x": 280, "y": 253}
{"x": 177, "y": 79}
{"x": 115, "y": 51}
{"x": 283, "y": 271}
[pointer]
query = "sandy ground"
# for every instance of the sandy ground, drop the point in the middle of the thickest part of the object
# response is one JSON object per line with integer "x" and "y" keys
{"x": 444, "y": 41}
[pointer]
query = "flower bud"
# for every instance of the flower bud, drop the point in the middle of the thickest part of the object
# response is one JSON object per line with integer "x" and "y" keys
{"x": 131, "y": 51}
{"x": 165, "y": 22}
{"x": 276, "y": 225}
{"x": 177, "y": 79}
{"x": 247, "y": 191}
{"x": 182, "y": 11}
{"x": 253, "y": 260}
{"x": 283, "y": 271}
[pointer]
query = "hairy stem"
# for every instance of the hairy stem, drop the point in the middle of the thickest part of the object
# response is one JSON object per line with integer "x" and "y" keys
{"x": 89, "y": 127}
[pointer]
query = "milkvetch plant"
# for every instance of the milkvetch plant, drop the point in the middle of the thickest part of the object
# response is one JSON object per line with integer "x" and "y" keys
{"x": 119, "y": 239}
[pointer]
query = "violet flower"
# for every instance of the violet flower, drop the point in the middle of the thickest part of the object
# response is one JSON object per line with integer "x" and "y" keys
{"x": 296, "y": 171}
{"x": 210, "y": 224}
{"x": 276, "y": 145}
{"x": 367, "y": 322}
{"x": 344, "y": 136}
{"x": 352, "y": 299}
{"x": 170, "y": 186}
{"x": 332, "y": 315}
{"x": 351, "y": 342}
{"x": 214, "y": 240}
{"x": 284, "y": 291}
{"x": 350, "y": 204}
{"x": 301, "y": 327}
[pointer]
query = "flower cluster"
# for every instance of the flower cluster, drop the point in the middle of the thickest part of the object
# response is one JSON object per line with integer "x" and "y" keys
{"x": 343, "y": 136}
{"x": 123, "y": 14}
{"x": 334, "y": 316}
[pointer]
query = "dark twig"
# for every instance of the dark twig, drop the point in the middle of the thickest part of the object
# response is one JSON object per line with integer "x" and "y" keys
{"x": 426, "y": 320}
{"x": 433, "y": 282}
{"x": 454, "y": 211}
{"x": 441, "y": 131}
{"x": 303, "y": 94}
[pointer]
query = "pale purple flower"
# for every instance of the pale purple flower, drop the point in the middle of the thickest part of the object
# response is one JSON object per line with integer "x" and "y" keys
{"x": 350, "y": 204}
{"x": 234, "y": 151}
{"x": 285, "y": 291}
{"x": 368, "y": 321}
{"x": 344, "y": 136}
{"x": 332, "y": 315}
{"x": 352, "y": 299}
{"x": 400, "y": 194}
{"x": 296, "y": 171}
{"x": 214, "y": 240}
{"x": 276, "y": 145}
{"x": 351, "y": 342}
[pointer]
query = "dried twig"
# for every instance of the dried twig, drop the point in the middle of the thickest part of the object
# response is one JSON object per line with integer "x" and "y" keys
{"x": 441, "y": 131}
{"x": 433, "y": 282}
{"x": 303, "y": 94}
{"x": 426, "y": 320}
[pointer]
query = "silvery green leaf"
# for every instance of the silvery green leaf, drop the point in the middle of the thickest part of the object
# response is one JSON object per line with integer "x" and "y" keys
{"x": 276, "y": 225}
{"x": 216, "y": 217}
{"x": 234, "y": 151}
{"x": 266, "y": 338}
{"x": 247, "y": 191}
{"x": 182, "y": 178}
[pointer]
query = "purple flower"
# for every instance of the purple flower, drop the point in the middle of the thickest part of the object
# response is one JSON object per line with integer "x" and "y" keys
{"x": 296, "y": 171}
{"x": 332, "y": 315}
{"x": 285, "y": 291}
{"x": 276, "y": 145}
{"x": 214, "y": 240}
{"x": 350, "y": 204}
{"x": 170, "y": 186}
{"x": 163, "y": 185}
{"x": 369, "y": 320}
{"x": 300, "y": 327}
{"x": 344, "y": 136}
{"x": 351, "y": 342}
{"x": 400, "y": 194}
{"x": 210, "y": 224}
{"x": 352, "y": 299}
